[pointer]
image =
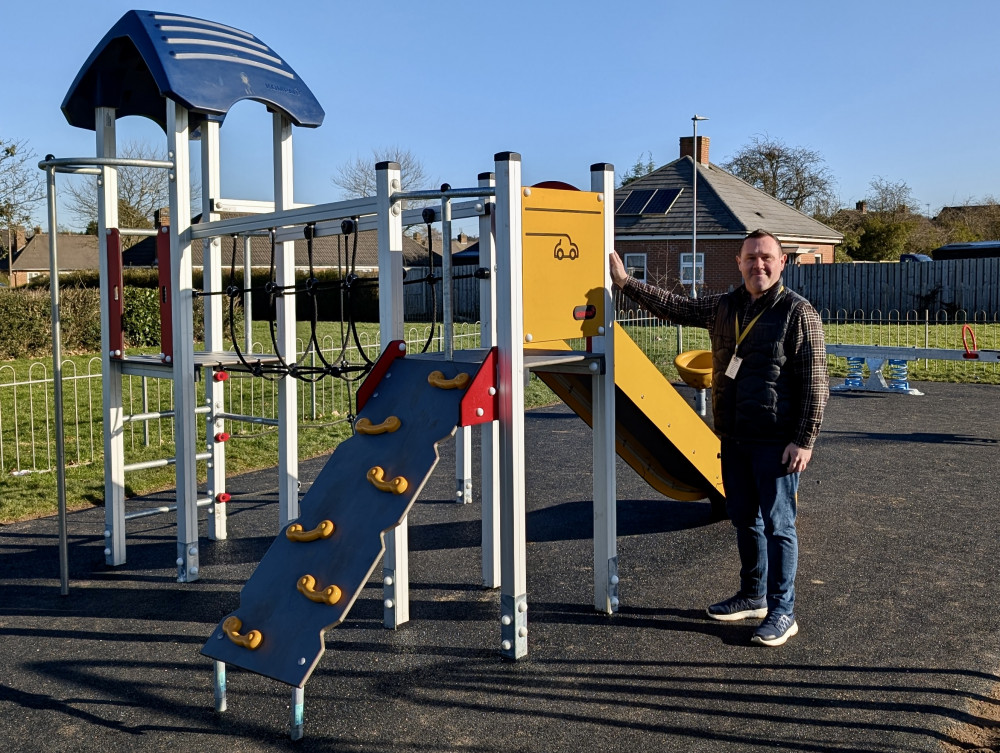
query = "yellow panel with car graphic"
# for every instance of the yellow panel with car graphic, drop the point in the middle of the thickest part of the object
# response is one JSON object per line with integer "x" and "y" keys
{"x": 563, "y": 263}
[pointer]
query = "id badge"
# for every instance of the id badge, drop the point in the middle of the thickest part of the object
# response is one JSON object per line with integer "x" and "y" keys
{"x": 733, "y": 367}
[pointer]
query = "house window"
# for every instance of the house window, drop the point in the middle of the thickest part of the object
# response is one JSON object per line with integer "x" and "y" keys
{"x": 686, "y": 269}
{"x": 635, "y": 265}
{"x": 796, "y": 253}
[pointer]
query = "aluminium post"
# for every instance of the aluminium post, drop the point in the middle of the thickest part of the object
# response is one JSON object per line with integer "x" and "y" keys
{"x": 182, "y": 320}
{"x": 510, "y": 373}
{"x": 215, "y": 392}
{"x": 489, "y": 432}
{"x": 111, "y": 368}
{"x": 50, "y": 184}
{"x": 288, "y": 438}
{"x": 395, "y": 564}
{"x": 602, "y": 181}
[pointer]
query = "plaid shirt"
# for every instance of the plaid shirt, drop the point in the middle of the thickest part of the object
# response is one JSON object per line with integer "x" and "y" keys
{"x": 804, "y": 342}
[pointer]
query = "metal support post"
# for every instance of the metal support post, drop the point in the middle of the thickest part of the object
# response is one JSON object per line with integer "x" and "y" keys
{"x": 297, "y": 723}
{"x": 288, "y": 442}
{"x": 463, "y": 465}
{"x": 510, "y": 350}
{"x": 701, "y": 402}
{"x": 111, "y": 384}
{"x": 215, "y": 392}
{"x": 50, "y": 184}
{"x": 447, "y": 304}
{"x": 182, "y": 317}
{"x": 463, "y": 437}
{"x": 602, "y": 180}
{"x": 489, "y": 432}
{"x": 247, "y": 296}
{"x": 219, "y": 685}
{"x": 395, "y": 566}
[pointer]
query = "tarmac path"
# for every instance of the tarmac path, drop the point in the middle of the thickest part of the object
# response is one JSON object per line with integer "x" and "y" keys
{"x": 899, "y": 648}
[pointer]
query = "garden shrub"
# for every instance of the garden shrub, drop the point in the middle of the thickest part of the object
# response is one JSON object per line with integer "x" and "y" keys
{"x": 26, "y": 330}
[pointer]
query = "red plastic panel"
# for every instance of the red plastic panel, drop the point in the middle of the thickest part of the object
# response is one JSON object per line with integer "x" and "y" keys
{"x": 116, "y": 301}
{"x": 477, "y": 394}
{"x": 166, "y": 296}
{"x": 395, "y": 349}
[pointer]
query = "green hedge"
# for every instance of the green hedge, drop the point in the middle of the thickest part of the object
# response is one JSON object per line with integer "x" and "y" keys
{"x": 80, "y": 309}
{"x": 27, "y": 326}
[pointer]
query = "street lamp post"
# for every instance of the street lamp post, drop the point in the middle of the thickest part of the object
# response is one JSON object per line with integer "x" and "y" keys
{"x": 700, "y": 396}
{"x": 694, "y": 207}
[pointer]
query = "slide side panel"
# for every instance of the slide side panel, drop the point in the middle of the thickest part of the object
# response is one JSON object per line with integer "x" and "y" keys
{"x": 658, "y": 433}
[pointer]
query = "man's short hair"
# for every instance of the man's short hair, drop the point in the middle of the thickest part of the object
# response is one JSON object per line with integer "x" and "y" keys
{"x": 761, "y": 233}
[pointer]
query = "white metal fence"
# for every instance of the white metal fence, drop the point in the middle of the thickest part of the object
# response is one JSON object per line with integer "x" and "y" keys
{"x": 27, "y": 422}
{"x": 27, "y": 410}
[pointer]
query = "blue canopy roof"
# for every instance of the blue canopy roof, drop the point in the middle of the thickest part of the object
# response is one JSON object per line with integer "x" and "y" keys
{"x": 205, "y": 66}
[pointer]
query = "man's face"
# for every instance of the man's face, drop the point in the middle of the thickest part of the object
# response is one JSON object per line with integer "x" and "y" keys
{"x": 761, "y": 264}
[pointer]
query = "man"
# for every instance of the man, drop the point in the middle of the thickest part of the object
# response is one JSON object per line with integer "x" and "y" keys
{"x": 769, "y": 389}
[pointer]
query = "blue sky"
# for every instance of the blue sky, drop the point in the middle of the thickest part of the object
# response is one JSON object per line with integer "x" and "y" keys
{"x": 906, "y": 91}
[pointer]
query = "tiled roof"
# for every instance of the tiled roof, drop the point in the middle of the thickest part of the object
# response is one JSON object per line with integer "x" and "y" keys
{"x": 75, "y": 252}
{"x": 78, "y": 252}
{"x": 726, "y": 205}
{"x": 331, "y": 251}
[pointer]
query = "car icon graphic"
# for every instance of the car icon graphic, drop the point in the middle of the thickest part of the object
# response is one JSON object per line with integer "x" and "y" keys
{"x": 566, "y": 249}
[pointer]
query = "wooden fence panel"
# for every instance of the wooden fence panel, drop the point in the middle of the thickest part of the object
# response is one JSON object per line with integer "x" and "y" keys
{"x": 418, "y": 298}
{"x": 971, "y": 285}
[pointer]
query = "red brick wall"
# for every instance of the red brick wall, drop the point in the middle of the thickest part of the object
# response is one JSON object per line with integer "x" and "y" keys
{"x": 663, "y": 261}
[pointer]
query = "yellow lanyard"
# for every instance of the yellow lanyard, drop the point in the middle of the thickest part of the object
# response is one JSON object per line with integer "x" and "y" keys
{"x": 740, "y": 337}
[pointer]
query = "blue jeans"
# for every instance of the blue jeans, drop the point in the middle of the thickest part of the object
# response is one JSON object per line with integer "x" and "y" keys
{"x": 761, "y": 501}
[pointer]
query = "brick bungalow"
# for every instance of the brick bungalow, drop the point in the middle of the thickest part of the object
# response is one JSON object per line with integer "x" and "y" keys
{"x": 80, "y": 252}
{"x": 653, "y": 224}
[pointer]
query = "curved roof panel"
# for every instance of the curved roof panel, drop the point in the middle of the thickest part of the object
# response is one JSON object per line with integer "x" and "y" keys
{"x": 206, "y": 66}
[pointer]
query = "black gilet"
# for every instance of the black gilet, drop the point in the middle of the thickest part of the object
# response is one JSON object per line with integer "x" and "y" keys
{"x": 760, "y": 403}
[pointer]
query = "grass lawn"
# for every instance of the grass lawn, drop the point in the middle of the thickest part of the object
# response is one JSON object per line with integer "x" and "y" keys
{"x": 323, "y": 421}
{"x": 34, "y": 493}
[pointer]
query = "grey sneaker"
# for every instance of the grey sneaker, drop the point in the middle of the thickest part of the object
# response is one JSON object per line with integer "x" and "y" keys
{"x": 738, "y": 608}
{"x": 775, "y": 630}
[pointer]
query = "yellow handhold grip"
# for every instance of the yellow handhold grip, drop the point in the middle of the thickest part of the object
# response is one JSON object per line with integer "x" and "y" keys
{"x": 377, "y": 476}
{"x": 307, "y": 587}
{"x": 324, "y": 530}
{"x": 436, "y": 379}
{"x": 365, "y": 426}
{"x": 232, "y": 626}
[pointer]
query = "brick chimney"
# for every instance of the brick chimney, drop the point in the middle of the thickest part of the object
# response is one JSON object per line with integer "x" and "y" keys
{"x": 17, "y": 236}
{"x": 861, "y": 206}
{"x": 686, "y": 150}
{"x": 161, "y": 217}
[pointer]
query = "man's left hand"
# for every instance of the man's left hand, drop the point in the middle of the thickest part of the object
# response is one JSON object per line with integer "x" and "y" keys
{"x": 796, "y": 458}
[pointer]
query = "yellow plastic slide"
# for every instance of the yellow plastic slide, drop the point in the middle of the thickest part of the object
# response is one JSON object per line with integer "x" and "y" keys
{"x": 658, "y": 433}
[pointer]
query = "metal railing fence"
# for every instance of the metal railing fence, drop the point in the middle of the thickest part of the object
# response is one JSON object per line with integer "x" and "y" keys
{"x": 27, "y": 411}
{"x": 27, "y": 415}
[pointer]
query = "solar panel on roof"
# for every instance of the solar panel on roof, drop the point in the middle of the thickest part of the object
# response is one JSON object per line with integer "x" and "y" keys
{"x": 635, "y": 201}
{"x": 662, "y": 200}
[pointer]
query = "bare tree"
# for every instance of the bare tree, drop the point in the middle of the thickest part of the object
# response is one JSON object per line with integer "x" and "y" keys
{"x": 892, "y": 200}
{"x": 795, "y": 175}
{"x": 356, "y": 178}
{"x": 141, "y": 191}
{"x": 21, "y": 185}
{"x": 887, "y": 226}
